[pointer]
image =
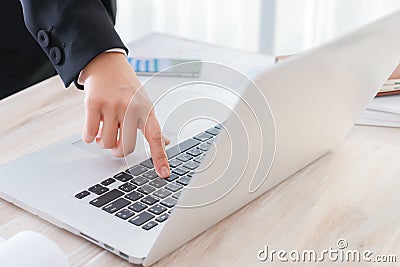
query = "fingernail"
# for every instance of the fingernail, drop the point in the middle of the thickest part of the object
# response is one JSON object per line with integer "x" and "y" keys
{"x": 117, "y": 153}
{"x": 164, "y": 171}
{"x": 86, "y": 138}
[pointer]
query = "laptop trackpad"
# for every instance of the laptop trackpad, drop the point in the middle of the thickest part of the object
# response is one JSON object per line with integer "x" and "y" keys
{"x": 141, "y": 150}
{"x": 92, "y": 147}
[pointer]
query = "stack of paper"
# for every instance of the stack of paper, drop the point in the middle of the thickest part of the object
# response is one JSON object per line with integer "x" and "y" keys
{"x": 382, "y": 111}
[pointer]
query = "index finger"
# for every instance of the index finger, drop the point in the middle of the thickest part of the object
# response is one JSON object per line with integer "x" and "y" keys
{"x": 153, "y": 134}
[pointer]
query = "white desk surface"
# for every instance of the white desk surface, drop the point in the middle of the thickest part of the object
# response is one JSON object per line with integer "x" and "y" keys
{"x": 352, "y": 192}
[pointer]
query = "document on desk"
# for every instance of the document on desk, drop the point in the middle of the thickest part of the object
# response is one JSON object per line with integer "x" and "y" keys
{"x": 389, "y": 104}
{"x": 382, "y": 111}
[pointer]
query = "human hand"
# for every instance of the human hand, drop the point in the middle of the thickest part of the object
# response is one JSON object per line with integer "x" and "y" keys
{"x": 113, "y": 91}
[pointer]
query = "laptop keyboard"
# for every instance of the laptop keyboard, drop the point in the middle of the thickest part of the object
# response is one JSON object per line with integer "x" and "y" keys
{"x": 139, "y": 196}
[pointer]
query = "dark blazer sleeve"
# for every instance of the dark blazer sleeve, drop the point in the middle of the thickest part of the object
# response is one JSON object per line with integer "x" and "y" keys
{"x": 71, "y": 32}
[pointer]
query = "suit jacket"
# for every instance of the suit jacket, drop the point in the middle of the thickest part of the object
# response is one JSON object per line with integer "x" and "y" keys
{"x": 42, "y": 37}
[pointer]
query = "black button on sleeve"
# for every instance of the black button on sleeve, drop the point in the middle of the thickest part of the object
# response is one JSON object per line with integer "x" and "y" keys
{"x": 79, "y": 37}
{"x": 43, "y": 38}
{"x": 56, "y": 56}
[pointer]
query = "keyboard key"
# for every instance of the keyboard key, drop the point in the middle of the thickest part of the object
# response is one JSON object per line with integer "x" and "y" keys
{"x": 169, "y": 202}
{"x": 148, "y": 163}
{"x": 108, "y": 181}
{"x": 159, "y": 182}
{"x": 141, "y": 218}
{"x": 150, "y": 174}
{"x": 146, "y": 189}
{"x": 123, "y": 177}
{"x": 204, "y": 146}
{"x": 218, "y": 126}
{"x": 157, "y": 209}
{"x": 134, "y": 196}
{"x": 180, "y": 171}
{"x": 175, "y": 163}
{"x": 191, "y": 174}
{"x": 137, "y": 207}
{"x": 172, "y": 177}
{"x": 162, "y": 217}
{"x": 82, "y": 194}
{"x": 184, "y": 180}
{"x": 191, "y": 165}
{"x": 211, "y": 141}
{"x": 125, "y": 214}
{"x": 182, "y": 147}
{"x": 162, "y": 193}
{"x": 173, "y": 187}
{"x": 95, "y": 188}
{"x": 127, "y": 187}
{"x": 149, "y": 225}
{"x": 98, "y": 189}
{"x": 106, "y": 198}
{"x": 213, "y": 131}
{"x": 194, "y": 152}
{"x": 200, "y": 158}
{"x": 150, "y": 200}
{"x": 139, "y": 181}
{"x": 184, "y": 157}
{"x": 101, "y": 191}
{"x": 136, "y": 170}
{"x": 203, "y": 136}
{"x": 177, "y": 194}
{"x": 116, "y": 205}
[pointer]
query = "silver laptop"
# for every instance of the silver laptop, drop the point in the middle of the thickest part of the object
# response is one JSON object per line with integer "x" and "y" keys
{"x": 290, "y": 116}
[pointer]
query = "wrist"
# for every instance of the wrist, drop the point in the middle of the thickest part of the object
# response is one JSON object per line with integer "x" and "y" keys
{"x": 97, "y": 63}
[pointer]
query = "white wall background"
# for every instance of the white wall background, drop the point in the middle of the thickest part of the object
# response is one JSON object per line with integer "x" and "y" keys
{"x": 233, "y": 23}
{"x": 302, "y": 24}
{"x": 271, "y": 26}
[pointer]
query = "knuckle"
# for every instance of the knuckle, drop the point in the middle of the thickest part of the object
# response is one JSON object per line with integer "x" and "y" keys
{"x": 156, "y": 137}
{"x": 160, "y": 157}
{"x": 115, "y": 106}
{"x": 132, "y": 107}
{"x": 126, "y": 101}
{"x": 92, "y": 102}
{"x": 111, "y": 104}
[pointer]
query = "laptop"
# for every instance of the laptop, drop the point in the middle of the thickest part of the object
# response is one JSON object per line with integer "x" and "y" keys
{"x": 291, "y": 115}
